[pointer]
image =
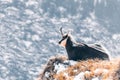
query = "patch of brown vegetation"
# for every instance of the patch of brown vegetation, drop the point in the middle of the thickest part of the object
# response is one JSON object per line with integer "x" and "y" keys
{"x": 116, "y": 75}
{"x": 106, "y": 70}
{"x": 92, "y": 68}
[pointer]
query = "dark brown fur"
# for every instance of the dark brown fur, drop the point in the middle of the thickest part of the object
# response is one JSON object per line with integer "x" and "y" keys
{"x": 83, "y": 51}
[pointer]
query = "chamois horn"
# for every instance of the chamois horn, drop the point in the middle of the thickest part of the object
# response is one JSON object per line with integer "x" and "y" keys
{"x": 61, "y": 31}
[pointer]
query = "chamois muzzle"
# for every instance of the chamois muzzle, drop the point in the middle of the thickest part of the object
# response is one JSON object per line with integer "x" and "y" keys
{"x": 63, "y": 38}
{"x": 60, "y": 41}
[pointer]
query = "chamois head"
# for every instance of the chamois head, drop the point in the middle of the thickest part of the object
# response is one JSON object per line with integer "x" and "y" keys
{"x": 62, "y": 42}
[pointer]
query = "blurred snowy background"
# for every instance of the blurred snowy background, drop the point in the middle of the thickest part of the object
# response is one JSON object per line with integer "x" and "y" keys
{"x": 29, "y": 31}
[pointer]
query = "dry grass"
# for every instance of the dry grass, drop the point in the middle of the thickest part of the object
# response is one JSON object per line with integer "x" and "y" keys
{"x": 107, "y": 70}
{"x": 92, "y": 68}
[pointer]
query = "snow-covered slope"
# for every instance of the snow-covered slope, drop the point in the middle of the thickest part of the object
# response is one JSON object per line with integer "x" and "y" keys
{"x": 29, "y": 31}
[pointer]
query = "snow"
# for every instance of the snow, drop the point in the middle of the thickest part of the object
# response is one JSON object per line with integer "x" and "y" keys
{"x": 11, "y": 10}
{"x": 6, "y": 1}
{"x": 35, "y": 38}
{"x": 29, "y": 32}
{"x": 31, "y": 2}
{"x": 2, "y": 15}
{"x": 29, "y": 12}
{"x": 62, "y": 9}
{"x": 61, "y": 67}
{"x": 27, "y": 43}
{"x": 116, "y": 36}
{"x": 80, "y": 76}
{"x": 96, "y": 78}
{"x": 64, "y": 20}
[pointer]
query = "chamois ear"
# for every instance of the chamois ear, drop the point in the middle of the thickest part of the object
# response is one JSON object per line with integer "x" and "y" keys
{"x": 69, "y": 32}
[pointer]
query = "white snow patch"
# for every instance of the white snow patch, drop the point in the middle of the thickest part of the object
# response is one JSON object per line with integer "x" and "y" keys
{"x": 31, "y": 2}
{"x": 59, "y": 68}
{"x": 90, "y": 22}
{"x": 116, "y": 36}
{"x": 47, "y": 74}
{"x": 80, "y": 76}
{"x": 11, "y": 11}
{"x": 29, "y": 12}
{"x": 54, "y": 20}
{"x": 52, "y": 41}
{"x": 35, "y": 37}
{"x": 64, "y": 20}
{"x": 61, "y": 9}
{"x": 3, "y": 68}
{"x": 96, "y": 78}
{"x": 2, "y": 15}
{"x": 40, "y": 10}
{"x": 6, "y": 1}
{"x": 7, "y": 57}
{"x": 27, "y": 43}
{"x": 92, "y": 14}
{"x": 12, "y": 8}
{"x": 87, "y": 39}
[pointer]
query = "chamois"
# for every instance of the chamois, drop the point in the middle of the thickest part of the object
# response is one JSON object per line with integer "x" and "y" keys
{"x": 81, "y": 51}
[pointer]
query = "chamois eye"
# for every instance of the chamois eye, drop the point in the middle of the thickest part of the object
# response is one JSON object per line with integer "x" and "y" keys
{"x": 65, "y": 36}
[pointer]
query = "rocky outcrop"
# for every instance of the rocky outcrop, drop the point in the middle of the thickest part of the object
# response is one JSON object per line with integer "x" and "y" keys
{"x": 59, "y": 68}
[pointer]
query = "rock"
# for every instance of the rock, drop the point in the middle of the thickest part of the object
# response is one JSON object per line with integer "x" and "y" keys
{"x": 60, "y": 68}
